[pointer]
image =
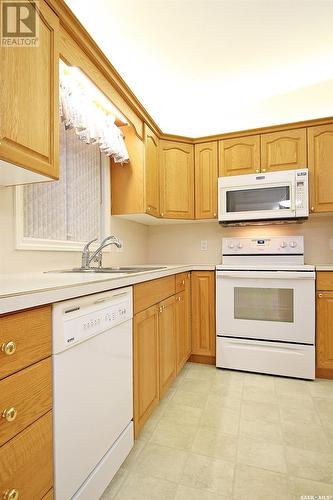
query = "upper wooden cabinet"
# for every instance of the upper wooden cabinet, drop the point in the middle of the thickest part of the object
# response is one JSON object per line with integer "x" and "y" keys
{"x": 176, "y": 180}
{"x": 239, "y": 156}
{"x": 285, "y": 150}
{"x": 206, "y": 166}
{"x": 152, "y": 205}
{"x": 320, "y": 151}
{"x": 29, "y": 101}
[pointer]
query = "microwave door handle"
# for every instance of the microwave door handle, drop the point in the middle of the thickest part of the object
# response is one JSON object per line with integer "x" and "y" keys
{"x": 283, "y": 275}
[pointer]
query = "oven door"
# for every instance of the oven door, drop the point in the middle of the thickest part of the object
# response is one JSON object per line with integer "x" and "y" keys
{"x": 266, "y": 305}
{"x": 257, "y": 201}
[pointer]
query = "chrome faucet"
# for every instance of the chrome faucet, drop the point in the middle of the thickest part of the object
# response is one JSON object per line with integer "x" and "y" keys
{"x": 88, "y": 257}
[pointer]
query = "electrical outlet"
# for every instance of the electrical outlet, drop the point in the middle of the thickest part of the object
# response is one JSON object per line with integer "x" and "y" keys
{"x": 330, "y": 243}
{"x": 204, "y": 245}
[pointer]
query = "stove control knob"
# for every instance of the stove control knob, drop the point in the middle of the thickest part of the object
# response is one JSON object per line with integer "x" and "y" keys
{"x": 283, "y": 244}
{"x": 239, "y": 245}
{"x": 293, "y": 244}
{"x": 231, "y": 245}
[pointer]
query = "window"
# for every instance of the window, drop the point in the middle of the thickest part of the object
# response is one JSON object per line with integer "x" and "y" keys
{"x": 64, "y": 214}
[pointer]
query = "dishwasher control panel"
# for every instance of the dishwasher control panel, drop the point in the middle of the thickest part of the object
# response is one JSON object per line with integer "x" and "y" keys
{"x": 77, "y": 320}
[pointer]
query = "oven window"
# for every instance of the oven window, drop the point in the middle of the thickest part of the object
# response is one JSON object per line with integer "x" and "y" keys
{"x": 264, "y": 304}
{"x": 247, "y": 200}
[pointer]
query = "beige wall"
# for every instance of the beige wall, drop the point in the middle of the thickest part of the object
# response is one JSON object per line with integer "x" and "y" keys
{"x": 133, "y": 235}
{"x": 181, "y": 243}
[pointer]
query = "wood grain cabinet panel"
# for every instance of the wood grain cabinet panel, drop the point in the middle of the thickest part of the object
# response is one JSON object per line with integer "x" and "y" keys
{"x": 28, "y": 394}
{"x": 176, "y": 180}
{"x": 29, "y": 100}
{"x": 239, "y": 156}
{"x": 151, "y": 292}
{"x": 28, "y": 335}
{"x": 283, "y": 150}
{"x": 206, "y": 172}
{"x": 203, "y": 315}
{"x": 183, "y": 324}
{"x": 26, "y": 461}
{"x": 146, "y": 365}
{"x": 324, "y": 280}
{"x": 152, "y": 180}
{"x": 167, "y": 343}
{"x": 320, "y": 151}
{"x": 324, "y": 335}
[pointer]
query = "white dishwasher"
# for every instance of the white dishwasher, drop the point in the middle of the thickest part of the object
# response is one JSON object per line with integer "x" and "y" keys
{"x": 93, "y": 392}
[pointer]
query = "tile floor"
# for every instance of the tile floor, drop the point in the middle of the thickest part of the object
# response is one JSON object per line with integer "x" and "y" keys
{"x": 220, "y": 434}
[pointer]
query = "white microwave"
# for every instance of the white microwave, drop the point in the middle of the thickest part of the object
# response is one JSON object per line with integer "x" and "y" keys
{"x": 273, "y": 196}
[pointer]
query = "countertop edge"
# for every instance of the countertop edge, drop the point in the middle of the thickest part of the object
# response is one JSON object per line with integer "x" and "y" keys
{"x": 11, "y": 302}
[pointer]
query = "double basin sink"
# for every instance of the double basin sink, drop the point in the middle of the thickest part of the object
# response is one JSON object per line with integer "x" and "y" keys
{"x": 115, "y": 269}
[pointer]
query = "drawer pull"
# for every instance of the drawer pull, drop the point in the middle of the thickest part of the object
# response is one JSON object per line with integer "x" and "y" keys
{"x": 9, "y": 414}
{"x": 11, "y": 494}
{"x": 320, "y": 295}
{"x": 9, "y": 348}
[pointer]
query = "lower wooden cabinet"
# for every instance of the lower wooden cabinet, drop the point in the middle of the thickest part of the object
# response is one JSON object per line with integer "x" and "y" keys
{"x": 26, "y": 462}
{"x": 167, "y": 343}
{"x": 146, "y": 365}
{"x": 203, "y": 317}
{"x": 183, "y": 324}
{"x": 324, "y": 334}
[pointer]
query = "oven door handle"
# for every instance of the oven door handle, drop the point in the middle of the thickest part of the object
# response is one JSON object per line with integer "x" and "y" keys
{"x": 275, "y": 275}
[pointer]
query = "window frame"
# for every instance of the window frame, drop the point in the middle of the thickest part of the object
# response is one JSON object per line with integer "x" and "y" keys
{"x": 27, "y": 243}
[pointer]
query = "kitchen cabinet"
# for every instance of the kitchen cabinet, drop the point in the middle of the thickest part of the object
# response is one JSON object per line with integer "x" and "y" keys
{"x": 167, "y": 343}
{"x": 152, "y": 181}
{"x": 183, "y": 322}
{"x": 146, "y": 365}
{"x": 29, "y": 100}
{"x": 324, "y": 325}
{"x": 239, "y": 156}
{"x": 176, "y": 180}
{"x": 283, "y": 150}
{"x": 203, "y": 316}
{"x": 320, "y": 152}
{"x": 25, "y": 404}
{"x": 206, "y": 173}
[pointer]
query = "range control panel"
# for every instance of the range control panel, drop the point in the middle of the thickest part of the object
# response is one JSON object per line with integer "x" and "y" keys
{"x": 274, "y": 245}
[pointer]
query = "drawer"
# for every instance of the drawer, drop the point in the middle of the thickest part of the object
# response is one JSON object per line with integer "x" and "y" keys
{"x": 152, "y": 292}
{"x": 25, "y": 337}
{"x": 26, "y": 461}
{"x": 180, "y": 282}
{"x": 324, "y": 280}
{"x": 26, "y": 394}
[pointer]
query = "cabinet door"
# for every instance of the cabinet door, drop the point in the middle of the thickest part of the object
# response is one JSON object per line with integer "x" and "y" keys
{"x": 283, "y": 150}
{"x": 206, "y": 180}
{"x": 152, "y": 205}
{"x": 26, "y": 461}
{"x": 320, "y": 147}
{"x": 167, "y": 343}
{"x": 145, "y": 365}
{"x": 203, "y": 314}
{"x": 177, "y": 180}
{"x": 324, "y": 335}
{"x": 29, "y": 128}
{"x": 183, "y": 324}
{"x": 239, "y": 156}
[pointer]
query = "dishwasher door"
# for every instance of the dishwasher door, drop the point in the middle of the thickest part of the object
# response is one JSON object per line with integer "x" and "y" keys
{"x": 93, "y": 395}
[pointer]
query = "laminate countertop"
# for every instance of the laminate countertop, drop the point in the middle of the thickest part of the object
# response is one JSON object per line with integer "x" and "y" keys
{"x": 324, "y": 267}
{"x": 24, "y": 290}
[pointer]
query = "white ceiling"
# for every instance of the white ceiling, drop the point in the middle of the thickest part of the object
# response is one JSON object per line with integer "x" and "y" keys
{"x": 202, "y": 67}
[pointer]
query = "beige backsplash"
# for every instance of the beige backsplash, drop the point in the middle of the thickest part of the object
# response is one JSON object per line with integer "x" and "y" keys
{"x": 181, "y": 243}
{"x": 165, "y": 244}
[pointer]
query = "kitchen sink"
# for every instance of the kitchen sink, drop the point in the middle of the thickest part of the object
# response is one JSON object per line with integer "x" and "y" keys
{"x": 115, "y": 269}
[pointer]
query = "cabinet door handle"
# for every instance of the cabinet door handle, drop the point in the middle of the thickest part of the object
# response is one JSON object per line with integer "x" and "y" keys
{"x": 257, "y": 170}
{"x": 9, "y": 414}
{"x": 183, "y": 282}
{"x": 8, "y": 348}
{"x": 148, "y": 208}
{"x": 11, "y": 494}
{"x": 320, "y": 295}
{"x": 312, "y": 209}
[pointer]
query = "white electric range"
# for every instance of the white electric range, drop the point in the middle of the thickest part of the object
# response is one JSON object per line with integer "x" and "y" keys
{"x": 265, "y": 307}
